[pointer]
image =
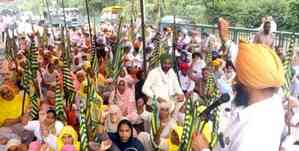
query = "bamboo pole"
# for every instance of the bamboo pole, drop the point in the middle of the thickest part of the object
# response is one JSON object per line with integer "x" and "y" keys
{"x": 88, "y": 20}
{"x": 49, "y": 16}
{"x": 143, "y": 34}
{"x": 174, "y": 39}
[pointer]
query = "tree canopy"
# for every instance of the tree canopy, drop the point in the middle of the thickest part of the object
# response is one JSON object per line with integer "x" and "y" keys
{"x": 244, "y": 13}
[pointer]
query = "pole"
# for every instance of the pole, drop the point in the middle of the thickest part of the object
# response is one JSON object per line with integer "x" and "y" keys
{"x": 143, "y": 35}
{"x": 64, "y": 17}
{"x": 174, "y": 39}
{"x": 88, "y": 19}
{"x": 49, "y": 16}
{"x": 23, "y": 102}
{"x": 64, "y": 29}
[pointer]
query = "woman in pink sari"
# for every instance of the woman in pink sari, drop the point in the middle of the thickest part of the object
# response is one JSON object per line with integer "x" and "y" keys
{"x": 123, "y": 96}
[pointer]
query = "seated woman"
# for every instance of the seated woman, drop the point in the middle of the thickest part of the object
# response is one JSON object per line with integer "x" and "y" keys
{"x": 45, "y": 129}
{"x": 47, "y": 79}
{"x": 142, "y": 123}
{"x": 112, "y": 119}
{"x": 68, "y": 138}
{"x": 66, "y": 141}
{"x": 123, "y": 96}
{"x": 48, "y": 121}
{"x": 122, "y": 140}
{"x": 131, "y": 76}
{"x": 11, "y": 102}
{"x": 166, "y": 124}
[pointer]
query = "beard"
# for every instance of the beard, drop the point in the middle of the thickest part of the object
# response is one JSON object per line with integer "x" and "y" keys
{"x": 165, "y": 68}
{"x": 242, "y": 97}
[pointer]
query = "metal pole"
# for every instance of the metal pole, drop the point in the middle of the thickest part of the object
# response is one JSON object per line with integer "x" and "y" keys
{"x": 143, "y": 35}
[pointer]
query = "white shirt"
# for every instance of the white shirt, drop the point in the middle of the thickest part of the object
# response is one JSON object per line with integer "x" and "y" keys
{"x": 186, "y": 83}
{"x": 224, "y": 86}
{"x": 35, "y": 127}
{"x": 161, "y": 85}
{"x": 50, "y": 78}
{"x": 197, "y": 67}
{"x": 258, "y": 127}
{"x": 295, "y": 87}
{"x": 288, "y": 144}
{"x": 273, "y": 27}
{"x": 138, "y": 60}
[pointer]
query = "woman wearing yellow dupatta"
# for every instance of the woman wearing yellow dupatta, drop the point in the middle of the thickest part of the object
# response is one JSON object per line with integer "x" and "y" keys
{"x": 66, "y": 141}
{"x": 68, "y": 138}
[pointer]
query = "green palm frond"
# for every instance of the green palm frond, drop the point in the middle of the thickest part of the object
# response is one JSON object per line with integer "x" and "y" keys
{"x": 59, "y": 106}
{"x": 212, "y": 90}
{"x": 155, "y": 123}
{"x": 83, "y": 129}
{"x": 287, "y": 65}
{"x": 35, "y": 106}
{"x": 188, "y": 126}
{"x": 154, "y": 116}
{"x": 155, "y": 58}
{"x": 31, "y": 67}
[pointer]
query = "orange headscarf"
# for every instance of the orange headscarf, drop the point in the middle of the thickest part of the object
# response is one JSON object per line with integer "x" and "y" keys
{"x": 258, "y": 66}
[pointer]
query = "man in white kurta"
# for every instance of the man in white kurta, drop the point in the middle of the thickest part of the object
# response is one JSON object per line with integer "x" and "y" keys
{"x": 162, "y": 82}
{"x": 257, "y": 127}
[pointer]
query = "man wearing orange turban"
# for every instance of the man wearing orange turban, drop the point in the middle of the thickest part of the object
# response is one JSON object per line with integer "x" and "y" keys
{"x": 258, "y": 66}
{"x": 259, "y": 121}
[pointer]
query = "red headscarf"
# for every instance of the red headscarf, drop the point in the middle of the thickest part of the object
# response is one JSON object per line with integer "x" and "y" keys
{"x": 184, "y": 67}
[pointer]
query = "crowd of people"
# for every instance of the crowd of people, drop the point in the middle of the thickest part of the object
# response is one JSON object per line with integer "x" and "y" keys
{"x": 253, "y": 120}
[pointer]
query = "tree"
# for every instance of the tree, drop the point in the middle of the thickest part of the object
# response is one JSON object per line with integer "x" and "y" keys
{"x": 292, "y": 20}
{"x": 248, "y": 13}
{"x": 244, "y": 13}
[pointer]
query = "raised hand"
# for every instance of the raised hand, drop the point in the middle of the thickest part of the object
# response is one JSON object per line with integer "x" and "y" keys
{"x": 199, "y": 142}
{"x": 105, "y": 145}
{"x": 223, "y": 26}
